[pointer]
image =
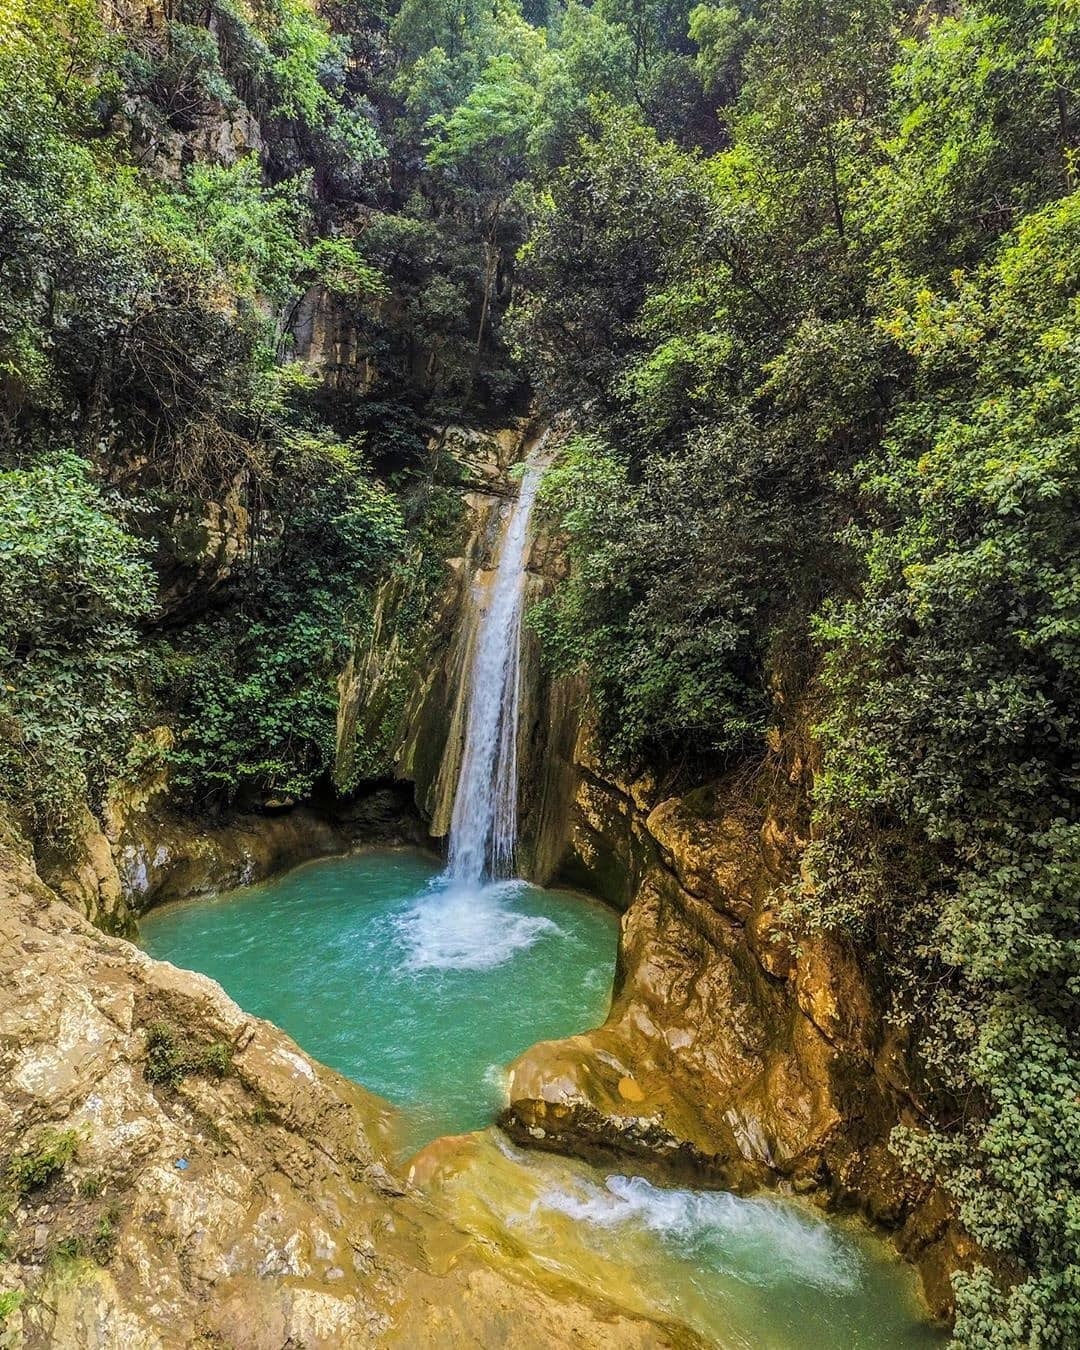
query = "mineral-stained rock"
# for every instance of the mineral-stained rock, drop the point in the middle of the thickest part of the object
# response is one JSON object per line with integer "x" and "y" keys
{"x": 730, "y": 1056}
{"x": 84, "y": 872}
{"x": 159, "y": 855}
{"x": 213, "y": 1185}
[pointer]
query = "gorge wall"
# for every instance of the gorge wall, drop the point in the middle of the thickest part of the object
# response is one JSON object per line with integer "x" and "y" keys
{"x": 732, "y": 1055}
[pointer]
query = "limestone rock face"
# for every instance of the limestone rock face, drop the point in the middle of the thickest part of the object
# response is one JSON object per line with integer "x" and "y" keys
{"x": 85, "y": 874}
{"x": 727, "y": 1057}
{"x": 233, "y": 1193}
{"x": 329, "y": 341}
{"x": 201, "y": 545}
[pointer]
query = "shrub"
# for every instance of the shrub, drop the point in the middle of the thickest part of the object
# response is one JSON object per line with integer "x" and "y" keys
{"x": 37, "y": 1166}
{"x": 73, "y": 584}
{"x": 170, "y": 1058}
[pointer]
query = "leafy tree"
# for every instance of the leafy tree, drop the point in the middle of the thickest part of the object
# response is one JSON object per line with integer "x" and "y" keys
{"x": 983, "y": 133}
{"x": 73, "y": 587}
{"x": 590, "y": 57}
{"x": 954, "y": 679}
{"x": 254, "y": 686}
{"x": 604, "y": 231}
{"x": 838, "y": 394}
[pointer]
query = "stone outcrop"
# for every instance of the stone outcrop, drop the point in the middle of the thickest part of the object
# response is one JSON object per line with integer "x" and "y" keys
{"x": 160, "y": 855}
{"x": 176, "y": 1173}
{"x": 144, "y": 853}
{"x": 730, "y": 1057}
{"x": 329, "y": 341}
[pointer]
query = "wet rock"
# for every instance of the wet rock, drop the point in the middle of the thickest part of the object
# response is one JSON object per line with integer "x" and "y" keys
{"x": 731, "y": 1055}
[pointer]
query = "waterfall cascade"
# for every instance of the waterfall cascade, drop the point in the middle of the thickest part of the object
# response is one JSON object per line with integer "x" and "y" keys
{"x": 483, "y": 827}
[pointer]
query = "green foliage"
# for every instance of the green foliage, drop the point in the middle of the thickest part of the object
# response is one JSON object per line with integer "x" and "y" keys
{"x": 67, "y": 242}
{"x": 73, "y": 586}
{"x": 43, "y": 1161}
{"x": 831, "y": 374}
{"x": 723, "y": 35}
{"x": 982, "y": 133}
{"x": 669, "y": 655}
{"x": 186, "y": 78}
{"x": 10, "y": 1302}
{"x": 145, "y": 321}
{"x": 237, "y": 232}
{"x": 171, "y": 1057}
{"x": 90, "y": 1186}
{"x": 955, "y": 682}
{"x": 103, "y": 1238}
{"x": 254, "y": 687}
{"x": 276, "y": 57}
{"x": 97, "y": 1244}
{"x": 486, "y": 134}
{"x": 129, "y": 307}
{"x": 608, "y": 226}
{"x": 592, "y": 57}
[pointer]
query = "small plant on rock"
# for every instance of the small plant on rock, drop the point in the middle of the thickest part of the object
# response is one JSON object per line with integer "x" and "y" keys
{"x": 170, "y": 1059}
{"x": 38, "y": 1165}
{"x": 90, "y": 1186}
{"x": 10, "y": 1300}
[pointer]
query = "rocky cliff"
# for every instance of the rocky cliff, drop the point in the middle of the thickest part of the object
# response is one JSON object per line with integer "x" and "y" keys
{"x": 732, "y": 1055}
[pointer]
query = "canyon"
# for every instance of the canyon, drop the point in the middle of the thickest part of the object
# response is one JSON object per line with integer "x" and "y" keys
{"x": 732, "y": 1057}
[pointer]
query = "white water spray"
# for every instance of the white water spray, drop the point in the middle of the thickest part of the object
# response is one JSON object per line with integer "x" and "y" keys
{"x": 483, "y": 828}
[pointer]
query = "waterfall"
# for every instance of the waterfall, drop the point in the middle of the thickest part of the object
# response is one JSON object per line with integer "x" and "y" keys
{"x": 483, "y": 827}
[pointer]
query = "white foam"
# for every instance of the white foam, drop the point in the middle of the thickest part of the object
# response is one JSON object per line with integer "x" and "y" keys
{"x": 457, "y": 927}
{"x": 758, "y": 1241}
{"x": 497, "y": 1077}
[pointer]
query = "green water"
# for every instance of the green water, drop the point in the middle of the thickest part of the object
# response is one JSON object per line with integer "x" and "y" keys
{"x": 745, "y": 1272}
{"x": 424, "y": 993}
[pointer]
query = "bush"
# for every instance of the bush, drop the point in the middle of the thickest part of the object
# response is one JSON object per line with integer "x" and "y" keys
{"x": 73, "y": 585}
{"x": 170, "y": 1058}
{"x": 254, "y": 687}
{"x": 37, "y": 1166}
